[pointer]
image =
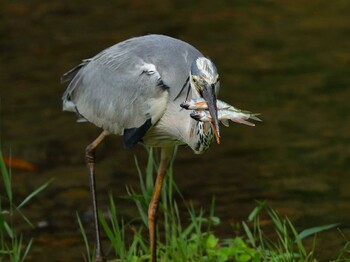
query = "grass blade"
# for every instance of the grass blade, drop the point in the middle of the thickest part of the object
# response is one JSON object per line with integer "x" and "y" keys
{"x": 86, "y": 242}
{"x": 6, "y": 178}
{"x": 314, "y": 230}
{"x": 149, "y": 173}
{"x": 34, "y": 193}
{"x": 2, "y": 221}
{"x": 249, "y": 234}
{"x": 297, "y": 240}
{"x": 9, "y": 230}
{"x": 256, "y": 211}
{"x": 26, "y": 251}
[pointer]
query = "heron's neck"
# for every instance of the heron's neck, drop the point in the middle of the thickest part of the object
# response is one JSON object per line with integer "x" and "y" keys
{"x": 201, "y": 134}
{"x": 203, "y": 137}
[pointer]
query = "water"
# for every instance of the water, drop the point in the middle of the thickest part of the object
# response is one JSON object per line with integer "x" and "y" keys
{"x": 289, "y": 61}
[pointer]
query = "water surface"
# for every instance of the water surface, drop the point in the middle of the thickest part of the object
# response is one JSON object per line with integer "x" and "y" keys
{"x": 290, "y": 61}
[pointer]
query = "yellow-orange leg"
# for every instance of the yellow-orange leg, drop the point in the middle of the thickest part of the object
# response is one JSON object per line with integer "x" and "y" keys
{"x": 166, "y": 154}
{"x": 90, "y": 160}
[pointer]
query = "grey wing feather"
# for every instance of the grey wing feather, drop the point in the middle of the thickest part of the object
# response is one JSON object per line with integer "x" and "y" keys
{"x": 115, "y": 90}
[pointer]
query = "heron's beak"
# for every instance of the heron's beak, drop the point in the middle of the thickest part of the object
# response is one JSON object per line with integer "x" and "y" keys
{"x": 209, "y": 96}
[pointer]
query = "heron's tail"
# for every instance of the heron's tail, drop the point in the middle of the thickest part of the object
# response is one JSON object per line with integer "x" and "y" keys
{"x": 68, "y": 76}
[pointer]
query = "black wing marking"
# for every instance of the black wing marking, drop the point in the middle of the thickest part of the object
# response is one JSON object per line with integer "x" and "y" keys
{"x": 133, "y": 135}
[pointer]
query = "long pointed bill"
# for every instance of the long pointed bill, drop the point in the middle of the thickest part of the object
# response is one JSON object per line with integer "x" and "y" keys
{"x": 210, "y": 97}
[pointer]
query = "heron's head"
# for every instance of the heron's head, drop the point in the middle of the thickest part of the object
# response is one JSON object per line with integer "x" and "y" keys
{"x": 204, "y": 80}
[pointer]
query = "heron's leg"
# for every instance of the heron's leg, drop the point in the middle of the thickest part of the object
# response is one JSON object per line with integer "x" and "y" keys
{"x": 90, "y": 160}
{"x": 166, "y": 154}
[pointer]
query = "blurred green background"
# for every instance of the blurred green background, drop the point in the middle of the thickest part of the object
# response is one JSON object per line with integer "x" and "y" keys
{"x": 289, "y": 60}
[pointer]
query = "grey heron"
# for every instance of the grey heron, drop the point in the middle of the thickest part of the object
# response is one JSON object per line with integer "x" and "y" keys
{"x": 135, "y": 89}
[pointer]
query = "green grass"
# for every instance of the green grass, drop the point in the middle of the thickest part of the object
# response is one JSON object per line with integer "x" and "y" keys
{"x": 179, "y": 240}
{"x": 190, "y": 240}
{"x": 194, "y": 239}
{"x": 12, "y": 246}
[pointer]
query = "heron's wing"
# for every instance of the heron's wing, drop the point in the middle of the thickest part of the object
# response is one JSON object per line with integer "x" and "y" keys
{"x": 118, "y": 92}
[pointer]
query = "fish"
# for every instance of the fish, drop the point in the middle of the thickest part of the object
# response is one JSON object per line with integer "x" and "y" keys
{"x": 195, "y": 104}
{"x": 224, "y": 115}
{"x": 226, "y": 112}
{"x": 201, "y": 104}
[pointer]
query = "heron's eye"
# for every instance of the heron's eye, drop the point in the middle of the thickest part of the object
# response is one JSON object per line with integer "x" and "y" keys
{"x": 194, "y": 80}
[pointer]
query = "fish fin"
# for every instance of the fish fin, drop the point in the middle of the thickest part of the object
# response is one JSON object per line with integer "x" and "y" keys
{"x": 242, "y": 121}
{"x": 254, "y": 117}
{"x": 225, "y": 122}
